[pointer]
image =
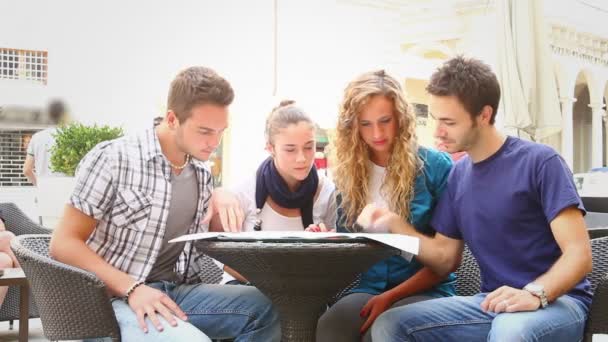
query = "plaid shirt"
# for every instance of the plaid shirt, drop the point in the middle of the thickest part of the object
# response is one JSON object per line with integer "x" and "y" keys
{"x": 125, "y": 185}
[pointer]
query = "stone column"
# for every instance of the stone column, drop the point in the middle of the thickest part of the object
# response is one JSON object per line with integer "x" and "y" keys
{"x": 567, "y": 130}
{"x": 605, "y": 118}
{"x": 597, "y": 112}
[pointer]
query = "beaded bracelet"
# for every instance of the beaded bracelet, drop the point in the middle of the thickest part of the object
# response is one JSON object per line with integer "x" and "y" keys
{"x": 132, "y": 288}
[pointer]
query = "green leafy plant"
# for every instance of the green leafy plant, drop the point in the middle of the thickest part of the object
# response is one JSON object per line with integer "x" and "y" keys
{"x": 74, "y": 141}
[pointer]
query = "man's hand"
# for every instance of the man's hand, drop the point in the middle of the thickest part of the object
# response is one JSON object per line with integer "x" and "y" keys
{"x": 147, "y": 301}
{"x": 227, "y": 206}
{"x": 374, "y": 307}
{"x": 375, "y": 219}
{"x": 508, "y": 299}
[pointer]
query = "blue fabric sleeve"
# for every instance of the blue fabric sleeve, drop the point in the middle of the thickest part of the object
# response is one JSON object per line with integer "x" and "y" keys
{"x": 444, "y": 219}
{"x": 556, "y": 188}
{"x": 441, "y": 170}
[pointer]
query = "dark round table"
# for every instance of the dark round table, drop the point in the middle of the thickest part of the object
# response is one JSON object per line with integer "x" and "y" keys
{"x": 299, "y": 276}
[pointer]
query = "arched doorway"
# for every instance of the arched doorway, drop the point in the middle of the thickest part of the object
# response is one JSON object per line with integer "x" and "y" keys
{"x": 582, "y": 123}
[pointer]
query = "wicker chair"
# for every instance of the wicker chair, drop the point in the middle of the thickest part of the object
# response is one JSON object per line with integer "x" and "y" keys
{"x": 595, "y": 219}
{"x": 598, "y": 232}
{"x": 596, "y": 204}
{"x": 17, "y": 223}
{"x": 73, "y": 303}
{"x": 468, "y": 279}
{"x": 468, "y": 283}
{"x": 597, "y": 322}
{"x": 597, "y": 211}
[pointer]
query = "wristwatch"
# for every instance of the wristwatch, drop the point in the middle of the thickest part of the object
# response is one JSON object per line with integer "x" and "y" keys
{"x": 538, "y": 290}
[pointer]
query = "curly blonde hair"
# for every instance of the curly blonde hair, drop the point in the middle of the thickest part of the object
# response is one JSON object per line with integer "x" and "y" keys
{"x": 351, "y": 154}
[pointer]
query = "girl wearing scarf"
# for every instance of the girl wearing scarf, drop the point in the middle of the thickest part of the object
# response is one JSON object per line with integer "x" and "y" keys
{"x": 286, "y": 190}
{"x": 286, "y": 193}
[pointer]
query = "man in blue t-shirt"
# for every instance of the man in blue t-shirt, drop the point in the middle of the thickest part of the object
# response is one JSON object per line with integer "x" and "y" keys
{"x": 515, "y": 205}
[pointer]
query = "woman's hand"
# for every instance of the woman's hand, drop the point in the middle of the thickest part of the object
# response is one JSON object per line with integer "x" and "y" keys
{"x": 374, "y": 307}
{"x": 320, "y": 228}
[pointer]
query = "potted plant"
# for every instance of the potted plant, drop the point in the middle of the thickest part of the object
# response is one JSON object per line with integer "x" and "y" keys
{"x": 72, "y": 143}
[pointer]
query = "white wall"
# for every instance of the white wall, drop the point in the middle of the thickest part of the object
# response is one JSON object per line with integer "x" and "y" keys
{"x": 321, "y": 46}
{"x": 582, "y": 15}
{"x": 112, "y": 61}
{"x": 23, "y": 197}
{"x": 325, "y": 44}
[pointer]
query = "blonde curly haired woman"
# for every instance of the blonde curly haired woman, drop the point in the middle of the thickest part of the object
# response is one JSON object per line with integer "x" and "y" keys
{"x": 377, "y": 160}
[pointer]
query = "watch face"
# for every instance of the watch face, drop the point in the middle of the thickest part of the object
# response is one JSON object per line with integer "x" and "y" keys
{"x": 535, "y": 287}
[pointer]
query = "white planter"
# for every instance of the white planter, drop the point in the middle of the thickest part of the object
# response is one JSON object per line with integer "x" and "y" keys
{"x": 52, "y": 195}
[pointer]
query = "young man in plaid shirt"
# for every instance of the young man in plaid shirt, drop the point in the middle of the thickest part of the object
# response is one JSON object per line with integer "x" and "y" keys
{"x": 136, "y": 193}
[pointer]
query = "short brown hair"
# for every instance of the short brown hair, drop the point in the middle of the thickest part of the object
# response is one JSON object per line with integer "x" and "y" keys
{"x": 471, "y": 81}
{"x": 196, "y": 86}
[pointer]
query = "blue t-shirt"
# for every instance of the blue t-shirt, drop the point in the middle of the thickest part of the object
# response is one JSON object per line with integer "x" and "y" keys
{"x": 429, "y": 185}
{"x": 502, "y": 206}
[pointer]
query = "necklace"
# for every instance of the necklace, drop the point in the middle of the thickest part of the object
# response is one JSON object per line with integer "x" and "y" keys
{"x": 180, "y": 167}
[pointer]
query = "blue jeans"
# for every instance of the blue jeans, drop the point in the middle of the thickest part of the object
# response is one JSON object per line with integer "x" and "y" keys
{"x": 241, "y": 313}
{"x": 461, "y": 319}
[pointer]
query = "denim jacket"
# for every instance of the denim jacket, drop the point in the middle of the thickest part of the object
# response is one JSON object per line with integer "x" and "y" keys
{"x": 429, "y": 185}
